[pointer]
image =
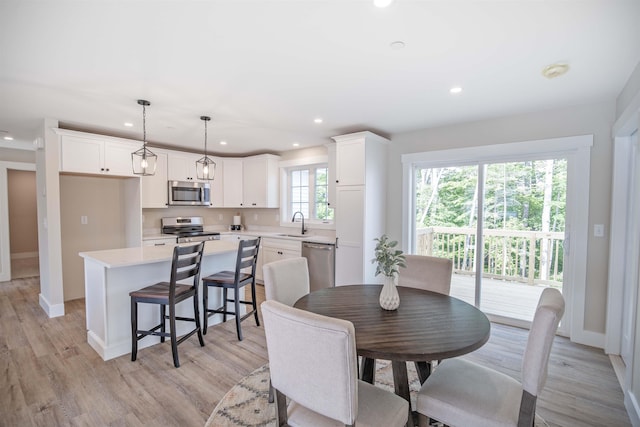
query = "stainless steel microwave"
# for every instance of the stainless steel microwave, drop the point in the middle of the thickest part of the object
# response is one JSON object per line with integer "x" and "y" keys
{"x": 189, "y": 193}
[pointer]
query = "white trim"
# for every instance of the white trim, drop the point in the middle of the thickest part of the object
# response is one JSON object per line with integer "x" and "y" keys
{"x": 577, "y": 149}
{"x": 633, "y": 409}
{"x": 501, "y": 152}
{"x": 52, "y": 310}
{"x": 303, "y": 161}
{"x": 622, "y": 156}
{"x": 5, "y": 249}
{"x": 24, "y": 255}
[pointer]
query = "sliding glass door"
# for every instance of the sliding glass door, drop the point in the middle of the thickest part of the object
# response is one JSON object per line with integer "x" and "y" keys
{"x": 501, "y": 223}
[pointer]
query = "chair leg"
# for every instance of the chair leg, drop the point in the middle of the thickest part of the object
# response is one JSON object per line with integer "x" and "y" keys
{"x": 224, "y": 304}
{"x": 174, "y": 341}
{"x": 196, "y": 318}
{"x": 424, "y": 370}
{"x": 134, "y": 330}
{"x": 423, "y": 420}
{"x": 253, "y": 301}
{"x": 163, "y": 313}
{"x": 236, "y": 301}
{"x": 205, "y": 307}
{"x": 270, "y": 392}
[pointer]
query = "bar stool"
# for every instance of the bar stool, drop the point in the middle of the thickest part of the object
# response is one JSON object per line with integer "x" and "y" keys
{"x": 185, "y": 264}
{"x": 246, "y": 259}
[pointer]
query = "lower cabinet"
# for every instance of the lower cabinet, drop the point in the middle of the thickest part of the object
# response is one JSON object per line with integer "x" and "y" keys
{"x": 276, "y": 249}
{"x": 161, "y": 241}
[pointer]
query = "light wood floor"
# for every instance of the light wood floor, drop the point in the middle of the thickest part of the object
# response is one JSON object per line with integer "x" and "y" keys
{"x": 50, "y": 376}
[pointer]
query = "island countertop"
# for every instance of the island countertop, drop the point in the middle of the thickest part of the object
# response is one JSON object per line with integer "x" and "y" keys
{"x": 125, "y": 257}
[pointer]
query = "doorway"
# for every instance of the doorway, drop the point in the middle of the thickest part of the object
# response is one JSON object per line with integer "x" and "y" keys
{"x": 485, "y": 162}
{"x": 23, "y": 223}
{"x": 21, "y": 209}
{"x": 502, "y": 225}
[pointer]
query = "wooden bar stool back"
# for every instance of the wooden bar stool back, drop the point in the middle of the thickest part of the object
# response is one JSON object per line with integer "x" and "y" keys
{"x": 185, "y": 265}
{"x": 245, "y": 274}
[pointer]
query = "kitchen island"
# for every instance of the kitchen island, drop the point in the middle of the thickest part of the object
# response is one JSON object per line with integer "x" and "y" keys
{"x": 109, "y": 276}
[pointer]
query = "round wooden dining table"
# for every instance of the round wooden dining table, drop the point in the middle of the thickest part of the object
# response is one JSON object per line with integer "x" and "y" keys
{"x": 427, "y": 326}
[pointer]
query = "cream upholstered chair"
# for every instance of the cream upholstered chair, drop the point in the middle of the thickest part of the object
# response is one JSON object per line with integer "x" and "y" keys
{"x": 462, "y": 393}
{"x": 431, "y": 274}
{"x": 286, "y": 280}
{"x": 426, "y": 272}
{"x": 312, "y": 361}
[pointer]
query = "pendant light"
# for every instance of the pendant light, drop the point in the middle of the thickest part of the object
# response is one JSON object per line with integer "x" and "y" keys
{"x": 144, "y": 161}
{"x": 205, "y": 167}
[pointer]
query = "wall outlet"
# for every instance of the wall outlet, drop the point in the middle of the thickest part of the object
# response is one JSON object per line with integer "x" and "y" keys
{"x": 277, "y": 217}
{"x": 219, "y": 217}
{"x": 255, "y": 217}
{"x": 84, "y": 220}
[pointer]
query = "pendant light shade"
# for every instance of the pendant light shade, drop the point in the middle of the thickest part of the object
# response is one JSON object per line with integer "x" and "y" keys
{"x": 205, "y": 167}
{"x": 144, "y": 161}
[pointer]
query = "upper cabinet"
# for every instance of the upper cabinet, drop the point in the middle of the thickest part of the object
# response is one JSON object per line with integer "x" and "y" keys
{"x": 251, "y": 182}
{"x": 154, "y": 190}
{"x": 232, "y": 182}
{"x": 351, "y": 160}
{"x": 331, "y": 175}
{"x": 182, "y": 166}
{"x": 94, "y": 154}
{"x": 260, "y": 181}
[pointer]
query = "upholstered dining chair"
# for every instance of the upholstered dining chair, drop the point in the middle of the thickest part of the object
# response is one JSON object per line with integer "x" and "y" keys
{"x": 431, "y": 274}
{"x": 243, "y": 275}
{"x": 426, "y": 272}
{"x": 185, "y": 265}
{"x": 285, "y": 281}
{"x": 463, "y": 393}
{"x": 312, "y": 361}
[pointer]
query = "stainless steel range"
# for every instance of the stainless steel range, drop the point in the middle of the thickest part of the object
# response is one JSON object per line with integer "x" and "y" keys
{"x": 188, "y": 229}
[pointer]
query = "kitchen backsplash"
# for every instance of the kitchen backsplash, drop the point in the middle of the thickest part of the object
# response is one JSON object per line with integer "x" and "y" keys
{"x": 214, "y": 218}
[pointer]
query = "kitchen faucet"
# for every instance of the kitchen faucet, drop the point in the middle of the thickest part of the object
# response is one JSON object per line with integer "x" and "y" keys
{"x": 293, "y": 218}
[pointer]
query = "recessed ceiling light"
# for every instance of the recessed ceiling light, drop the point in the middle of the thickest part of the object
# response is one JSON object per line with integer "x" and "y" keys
{"x": 223, "y": 142}
{"x": 8, "y": 138}
{"x": 397, "y": 45}
{"x": 129, "y": 125}
{"x": 455, "y": 90}
{"x": 382, "y": 3}
{"x": 317, "y": 120}
{"x": 555, "y": 70}
{"x": 295, "y": 144}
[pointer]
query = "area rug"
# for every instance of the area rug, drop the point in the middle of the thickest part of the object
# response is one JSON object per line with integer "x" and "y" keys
{"x": 246, "y": 404}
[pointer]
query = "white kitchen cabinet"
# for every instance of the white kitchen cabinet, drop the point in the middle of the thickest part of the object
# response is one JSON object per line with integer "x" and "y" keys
{"x": 331, "y": 176}
{"x": 232, "y": 182}
{"x": 260, "y": 181}
{"x": 154, "y": 190}
{"x": 95, "y": 154}
{"x": 182, "y": 166}
{"x": 277, "y": 249}
{"x": 360, "y": 204}
{"x": 160, "y": 241}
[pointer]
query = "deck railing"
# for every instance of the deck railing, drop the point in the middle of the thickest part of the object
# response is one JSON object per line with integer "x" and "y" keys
{"x": 524, "y": 256}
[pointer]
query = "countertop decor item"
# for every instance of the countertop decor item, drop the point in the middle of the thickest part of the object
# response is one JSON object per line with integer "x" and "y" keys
{"x": 205, "y": 167}
{"x": 144, "y": 161}
{"x": 388, "y": 260}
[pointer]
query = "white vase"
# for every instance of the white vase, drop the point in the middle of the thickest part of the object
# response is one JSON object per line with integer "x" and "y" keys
{"x": 389, "y": 298}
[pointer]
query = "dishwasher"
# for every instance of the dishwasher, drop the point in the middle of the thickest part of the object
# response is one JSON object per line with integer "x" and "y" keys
{"x": 322, "y": 267}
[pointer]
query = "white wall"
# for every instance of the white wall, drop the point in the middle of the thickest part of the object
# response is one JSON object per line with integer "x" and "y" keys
{"x": 593, "y": 119}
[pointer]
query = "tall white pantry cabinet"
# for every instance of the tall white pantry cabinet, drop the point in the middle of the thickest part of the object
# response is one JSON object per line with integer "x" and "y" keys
{"x": 360, "y": 204}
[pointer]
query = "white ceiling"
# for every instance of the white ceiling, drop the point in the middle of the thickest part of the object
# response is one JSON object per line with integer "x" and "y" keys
{"x": 265, "y": 69}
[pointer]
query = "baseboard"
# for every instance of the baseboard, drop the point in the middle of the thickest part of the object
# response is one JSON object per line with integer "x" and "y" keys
{"x": 631, "y": 404}
{"x": 52, "y": 310}
{"x": 592, "y": 339}
{"x": 24, "y": 255}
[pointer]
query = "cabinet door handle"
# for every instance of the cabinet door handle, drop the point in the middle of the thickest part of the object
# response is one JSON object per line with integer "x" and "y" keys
{"x": 159, "y": 244}
{"x": 336, "y": 243}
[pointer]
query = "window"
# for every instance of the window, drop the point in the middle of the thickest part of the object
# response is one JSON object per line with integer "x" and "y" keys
{"x": 307, "y": 193}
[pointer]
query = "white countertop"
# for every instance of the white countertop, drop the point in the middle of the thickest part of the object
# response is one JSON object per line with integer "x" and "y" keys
{"x": 114, "y": 258}
{"x": 315, "y": 238}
